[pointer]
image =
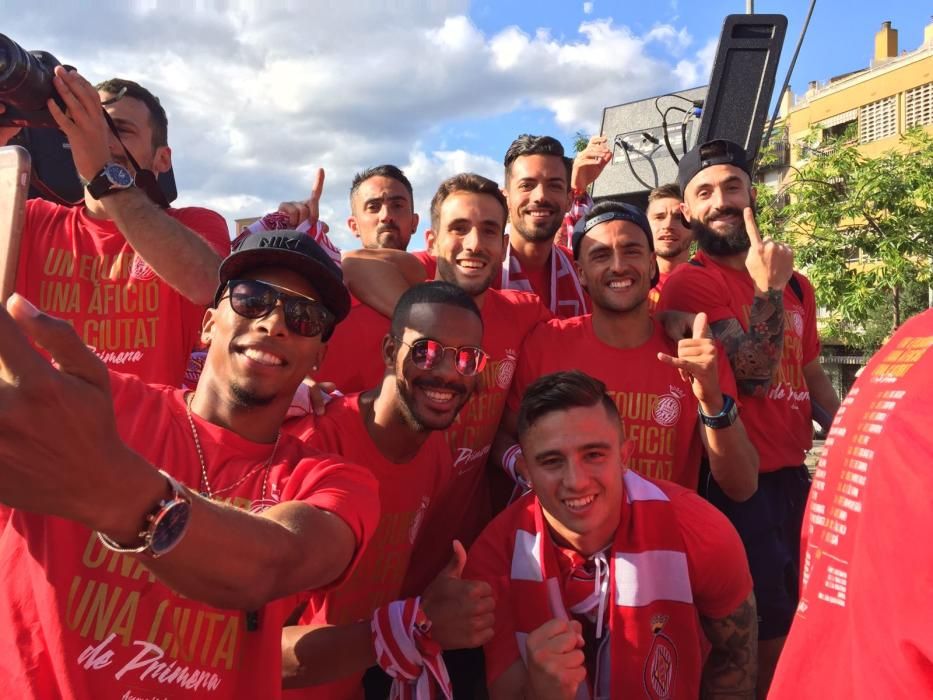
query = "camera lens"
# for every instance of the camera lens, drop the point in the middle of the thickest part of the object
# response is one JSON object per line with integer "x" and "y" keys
{"x": 25, "y": 82}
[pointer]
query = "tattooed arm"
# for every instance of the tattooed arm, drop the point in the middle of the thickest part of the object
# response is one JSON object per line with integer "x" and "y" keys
{"x": 731, "y": 670}
{"x": 754, "y": 355}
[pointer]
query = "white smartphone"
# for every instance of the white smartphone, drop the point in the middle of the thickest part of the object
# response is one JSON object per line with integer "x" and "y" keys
{"x": 15, "y": 166}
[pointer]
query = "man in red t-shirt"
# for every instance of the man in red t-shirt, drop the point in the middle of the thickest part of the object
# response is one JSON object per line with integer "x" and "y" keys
{"x": 675, "y": 398}
{"x": 672, "y": 236}
{"x": 432, "y": 359}
{"x": 122, "y": 580}
{"x": 468, "y": 215}
{"x": 131, "y": 277}
{"x": 764, "y": 314}
{"x": 606, "y": 578}
{"x": 865, "y": 601}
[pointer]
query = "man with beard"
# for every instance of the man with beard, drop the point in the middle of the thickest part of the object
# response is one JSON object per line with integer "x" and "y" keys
{"x": 160, "y": 538}
{"x": 433, "y": 361}
{"x": 675, "y": 398}
{"x": 132, "y": 277}
{"x": 749, "y": 290}
{"x": 672, "y": 237}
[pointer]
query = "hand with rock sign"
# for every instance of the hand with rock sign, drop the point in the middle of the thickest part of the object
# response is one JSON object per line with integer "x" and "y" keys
{"x": 460, "y": 611}
{"x": 697, "y": 360}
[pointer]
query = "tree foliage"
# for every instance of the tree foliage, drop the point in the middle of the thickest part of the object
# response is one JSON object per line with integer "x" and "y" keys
{"x": 862, "y": 230}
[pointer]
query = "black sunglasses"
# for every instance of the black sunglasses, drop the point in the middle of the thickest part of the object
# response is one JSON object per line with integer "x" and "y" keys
{"x": 427, "y": 353}
{"x": 303, "y": 315}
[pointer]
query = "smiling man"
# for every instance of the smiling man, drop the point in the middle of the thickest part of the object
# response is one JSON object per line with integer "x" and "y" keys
{"x": 606, "y": 579}
{"x": 677, "y": 399}
{"x": 159, "y": 541}
{"x": 764, "y": 314}
{"x": 433, "y": 362}
{"x": 133, "y": 278}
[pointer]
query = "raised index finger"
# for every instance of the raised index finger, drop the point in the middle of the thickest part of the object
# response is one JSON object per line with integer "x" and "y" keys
{"x": 751, "y": 226}
{"x": 317, "y": 188}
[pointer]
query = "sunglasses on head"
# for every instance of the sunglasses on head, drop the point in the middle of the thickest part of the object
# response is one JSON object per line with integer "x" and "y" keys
{"x": 427, "y": 354}
{"x": 303, "y": 315}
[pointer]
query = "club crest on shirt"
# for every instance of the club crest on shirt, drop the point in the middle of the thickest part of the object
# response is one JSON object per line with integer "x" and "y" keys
{"x": 506, "y": 369}
{"x": 667, "y": 410}
{"x": 661, "y": 663}
{"x": 140, "y": 269}
{"x": 796, "y": 319}
{"x": 261, "y": 504}
{"x": 418, "y": 519}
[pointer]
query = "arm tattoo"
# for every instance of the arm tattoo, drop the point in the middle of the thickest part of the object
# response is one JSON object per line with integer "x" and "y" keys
{"x": 754, "y": 355}
{"x": 731, "y": 670}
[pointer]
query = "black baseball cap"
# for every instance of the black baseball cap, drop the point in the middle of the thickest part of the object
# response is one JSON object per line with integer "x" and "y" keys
{"x": 717, "y": 152}
{"x": 619, "y": 211}
{"x": 293, "y": 250}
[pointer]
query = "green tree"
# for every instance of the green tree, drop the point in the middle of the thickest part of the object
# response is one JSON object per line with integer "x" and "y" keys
{"x": 862, "y": 230}
{"x": 580, "y": 141}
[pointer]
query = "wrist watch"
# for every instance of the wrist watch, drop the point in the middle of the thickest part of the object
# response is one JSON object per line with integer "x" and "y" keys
{"x": 113, "y": 177}
{"x": 163, "y": 528}
{"x": 726, "y": 417}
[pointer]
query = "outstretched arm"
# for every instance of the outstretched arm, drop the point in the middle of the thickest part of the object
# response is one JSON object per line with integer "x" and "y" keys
{"x": 379, "y": 277}
{"x": 228, "y": 558}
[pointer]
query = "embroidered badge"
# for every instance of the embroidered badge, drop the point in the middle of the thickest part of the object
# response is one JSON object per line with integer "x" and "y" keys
{"x": 667, "y": 410}
{"x": 140, "y": 269}
{"x": 506, "y": 369}
{"x": 661, "y": 663}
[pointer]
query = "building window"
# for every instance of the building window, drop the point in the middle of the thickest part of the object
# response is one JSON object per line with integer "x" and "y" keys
{"x": 877, "y": 120}
{"x": 918, "y": 106}
{"x": 839, "y": 125}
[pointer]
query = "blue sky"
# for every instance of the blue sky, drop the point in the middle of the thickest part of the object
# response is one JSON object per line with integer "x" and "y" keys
{"x": 258, "y": 96}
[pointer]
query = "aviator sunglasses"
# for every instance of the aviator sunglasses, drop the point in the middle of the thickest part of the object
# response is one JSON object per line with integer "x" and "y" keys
{"x": 303, "y": 315}
{"x": 427, "y": 354}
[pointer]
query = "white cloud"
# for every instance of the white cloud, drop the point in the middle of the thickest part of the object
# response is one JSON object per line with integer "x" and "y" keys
{"x": 587, "y": 8}
{"x": 259, "y": 96}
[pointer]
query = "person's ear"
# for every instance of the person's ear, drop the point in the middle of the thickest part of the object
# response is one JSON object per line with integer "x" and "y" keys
{"x": 207, "y": 326}
{"x": 389, "y": 351}
{"x": 415, "y": 220}
{"x": 162, "y": 160}
{"x": 352, "y": 225}
{"x": 430, "y": 238}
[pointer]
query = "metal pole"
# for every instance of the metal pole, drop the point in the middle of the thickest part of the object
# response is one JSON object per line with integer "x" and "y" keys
{"x": 749, "y": 7}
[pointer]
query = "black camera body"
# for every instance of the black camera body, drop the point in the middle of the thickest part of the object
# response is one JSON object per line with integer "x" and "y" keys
{"x": 26, "y": 85}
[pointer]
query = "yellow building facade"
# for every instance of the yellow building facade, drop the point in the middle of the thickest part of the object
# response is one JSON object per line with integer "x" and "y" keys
{"x": 880, "y": 102}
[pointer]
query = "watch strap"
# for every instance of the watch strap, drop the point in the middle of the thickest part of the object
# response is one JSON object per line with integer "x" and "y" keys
{"x": 101, "y": 185}
{"x": 178, "y": 495}
{"x": 726, "y": 417}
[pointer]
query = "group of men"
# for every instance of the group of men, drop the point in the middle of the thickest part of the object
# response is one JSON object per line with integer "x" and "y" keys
{"x": 631, "y": 529}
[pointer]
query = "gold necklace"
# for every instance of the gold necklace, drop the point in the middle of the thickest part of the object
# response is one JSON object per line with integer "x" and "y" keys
{"x": 205, "y": 482}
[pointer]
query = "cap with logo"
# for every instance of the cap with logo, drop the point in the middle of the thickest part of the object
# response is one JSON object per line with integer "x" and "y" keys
{"x": 704, "y": 155}
{"x": 293, "y": 250}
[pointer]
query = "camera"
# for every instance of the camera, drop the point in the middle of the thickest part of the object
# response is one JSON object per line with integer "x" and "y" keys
{"x": 26, "y": 85}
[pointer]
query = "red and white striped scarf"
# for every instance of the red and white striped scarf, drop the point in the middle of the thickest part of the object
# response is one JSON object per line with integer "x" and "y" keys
{"x": 655, "y": 635}
{"x": 406, "y": 651}
{"x": 277, "y": 221}
{"x": 567, "y": 295}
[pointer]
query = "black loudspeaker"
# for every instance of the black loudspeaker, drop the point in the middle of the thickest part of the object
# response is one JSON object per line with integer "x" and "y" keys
{"x": 53, "y": 166}
{"x": 742, "y": 80}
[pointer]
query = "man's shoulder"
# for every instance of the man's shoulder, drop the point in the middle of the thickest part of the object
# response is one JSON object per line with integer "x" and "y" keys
{"x": 695, "y": 515}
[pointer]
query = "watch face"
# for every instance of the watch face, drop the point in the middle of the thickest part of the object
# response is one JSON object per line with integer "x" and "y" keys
{"x": 169, "y": 528}
{"x": 118, "y": 175}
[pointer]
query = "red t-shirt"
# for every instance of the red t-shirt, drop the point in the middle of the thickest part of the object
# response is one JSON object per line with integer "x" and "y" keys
{"x": 464, "y": 508}
{"x": 83, "y": 270}
{"x": 354, "y": 352}
{"x": 82, "y": 622}
{"x": 654, "y": 294}
{"x": 778, "y": 424}
{"x": 406, "y": 491}
{"x": 865, "y": 606}
{"x": 657, "y": 406}
{"x": 719, "y": 576}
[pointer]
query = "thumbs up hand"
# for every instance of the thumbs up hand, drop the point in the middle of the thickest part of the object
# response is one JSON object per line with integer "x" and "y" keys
{"x": 461, "y": 612}
{"x": 697, "y": 359}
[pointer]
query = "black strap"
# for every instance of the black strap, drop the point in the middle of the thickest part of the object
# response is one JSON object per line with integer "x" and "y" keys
{"x": 794, "y": 281}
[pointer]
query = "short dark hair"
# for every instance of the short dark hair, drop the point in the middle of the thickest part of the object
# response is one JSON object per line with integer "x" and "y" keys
{"x": 430, "y": 293}
{"x": 669, "y": 191}
{"x": 561, "y": 391}
{"x": 631, "y": 213}
{"x": 157, "y": 117}
{"x": 466, "y": 182}
{"x": 390, "y": 171}
{"x": 530, "y": 145}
